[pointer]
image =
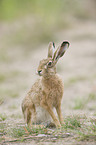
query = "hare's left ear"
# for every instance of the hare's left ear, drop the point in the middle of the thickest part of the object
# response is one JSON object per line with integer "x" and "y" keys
{"x": 60, "y": 51}
{"x": 51, "y": 49}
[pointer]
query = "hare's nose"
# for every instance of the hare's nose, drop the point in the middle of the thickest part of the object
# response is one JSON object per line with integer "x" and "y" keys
{"x": 39, "y": 72}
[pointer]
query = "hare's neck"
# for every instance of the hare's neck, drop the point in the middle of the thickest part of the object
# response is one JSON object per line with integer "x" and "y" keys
{"x": 52, "y": 81}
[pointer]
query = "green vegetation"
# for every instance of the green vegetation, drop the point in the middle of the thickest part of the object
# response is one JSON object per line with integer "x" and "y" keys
{"x": 10, "y": 10}
{"x": 25, "y": 131}
{"x": 79, "y": 125}
{"x": 72, "y": 123}
{"x": 92, "y": 97}
{"x": 2, "y": 127}
{"x": 2, "y": 130}
{"x": 87, "y": 137}
{"x": 3, "y": 117}
{"x": 81, "y": 103}
{"x": 2, "y": 78}
{"x": 44, "y": 19}
{"x": 18, "y": 132}
{"x": 88, "y": 133}
{"x": 76, "y": 125}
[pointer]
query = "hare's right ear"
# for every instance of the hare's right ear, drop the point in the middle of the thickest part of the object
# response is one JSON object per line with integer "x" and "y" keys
{"x": 51, "y": 49}
{"x": 60, "y": 51}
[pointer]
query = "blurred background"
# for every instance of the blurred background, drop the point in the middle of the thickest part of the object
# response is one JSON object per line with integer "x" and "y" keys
{"x": 26, "y": 28}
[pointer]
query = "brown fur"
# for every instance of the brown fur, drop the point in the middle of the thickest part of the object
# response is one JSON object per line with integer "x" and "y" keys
{"x": 46, "y": 92}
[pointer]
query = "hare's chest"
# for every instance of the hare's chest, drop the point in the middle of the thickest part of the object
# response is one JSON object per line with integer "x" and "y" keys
{"x": 54, "y": 89}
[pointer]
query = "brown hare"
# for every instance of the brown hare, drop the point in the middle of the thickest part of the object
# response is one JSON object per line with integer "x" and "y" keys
{"x": 47, "y": 91}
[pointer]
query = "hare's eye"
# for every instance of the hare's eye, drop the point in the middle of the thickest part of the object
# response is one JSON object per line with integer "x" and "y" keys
{"x": 49, "y": 63}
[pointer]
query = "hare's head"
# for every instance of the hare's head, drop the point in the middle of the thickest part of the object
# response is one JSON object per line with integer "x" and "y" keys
{"x": 48, "y": 66}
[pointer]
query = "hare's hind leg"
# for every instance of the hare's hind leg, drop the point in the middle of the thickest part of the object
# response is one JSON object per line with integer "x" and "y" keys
{"x": 30, "y": 115}
{"x": 27, "y": 116}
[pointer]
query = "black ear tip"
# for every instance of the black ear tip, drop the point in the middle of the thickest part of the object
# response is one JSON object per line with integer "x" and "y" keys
{"x": 53, "y": 44}
{"x": 65, "y": 42}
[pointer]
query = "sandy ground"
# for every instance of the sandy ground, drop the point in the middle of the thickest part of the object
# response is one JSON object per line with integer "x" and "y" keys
{"x": 78, "y": 71}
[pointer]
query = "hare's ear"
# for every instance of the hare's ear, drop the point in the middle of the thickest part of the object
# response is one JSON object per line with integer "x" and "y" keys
{"x": 60, "y": 51}
{"x": 51, "y": 49}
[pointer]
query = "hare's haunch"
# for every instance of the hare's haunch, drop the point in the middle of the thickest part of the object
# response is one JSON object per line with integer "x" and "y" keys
{"x": 47, "y": 91}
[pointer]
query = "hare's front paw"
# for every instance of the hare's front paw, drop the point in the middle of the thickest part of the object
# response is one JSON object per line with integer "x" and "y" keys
{"x": 57, "y": 123}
